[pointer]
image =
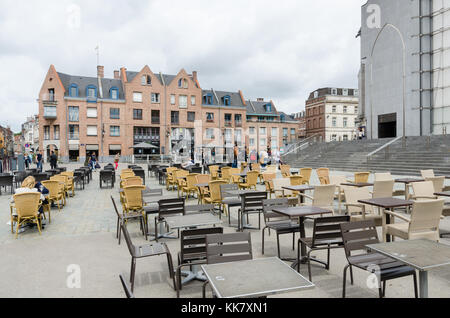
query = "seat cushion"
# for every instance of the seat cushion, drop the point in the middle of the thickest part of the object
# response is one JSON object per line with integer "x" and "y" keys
{"x": 398, "y": 229}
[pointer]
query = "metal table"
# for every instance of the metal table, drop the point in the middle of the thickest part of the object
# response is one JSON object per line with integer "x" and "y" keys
{"x": 254, "y": 278}
{"x": 300, "y": 189}
{"x": 192, "y": 221}
{"x": 358, "y": 185}
{"x": 422, "y": 255}
{"x": 387, "y": 204}
{"x": 301, "y": 212}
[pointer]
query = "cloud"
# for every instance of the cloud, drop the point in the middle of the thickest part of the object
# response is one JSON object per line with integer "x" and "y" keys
{"x": 280, "y": 50}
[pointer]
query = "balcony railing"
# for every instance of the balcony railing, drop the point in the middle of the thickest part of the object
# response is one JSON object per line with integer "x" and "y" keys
{"x": 228, "y": 123}
{"x": 50, "y": 112}
{"x": 238, "y": 123}
{"x": 155, "y": 120}
{"x": 74, "y": 136}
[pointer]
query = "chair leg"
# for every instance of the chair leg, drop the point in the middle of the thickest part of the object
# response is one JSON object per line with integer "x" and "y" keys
{"x": 263, "y": 240}
{"x": 293, "y": 241}
{"x": 204, "y": 289}
{"x": 132, "y": 272}
{"x": 298, "y": 256}
{"x": 415, "y": 285}
{"x": 171, "y": 270}
{"x": 344, "y": 283}
{"x": 328, "y": 258}
{"x": 156, "y": 229}
{"x": 278, "y": 245}
{"x": 309, "y": 265}
{"x": 351, "y": 274}
{"x": 384, "y": 289}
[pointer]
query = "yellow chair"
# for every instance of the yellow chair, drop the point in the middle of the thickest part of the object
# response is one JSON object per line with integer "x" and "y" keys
{"x": 133, "y": 198}
{"x": 170, "y": 178}
{"x": 203, "y": 191}
{"x": 235, "y": 179}
{"x": 362, "y": 177}
{"x": 226, "y": 174}
{"x": 27, "y": 209}
{"x": 252, "y": 180}
{"x": 69, "y": 175}
{"x": 215, "y": 197}
{"x": 285, "y": 171}
{"x": 54, "y": 195}
{"x": 180, "y": 179}
{"x": 324, "y": 175}
{"x": 191, "y": 181}
{"x": 214, "y": 171}
{"x": 62, "y": 186}
{"x": 268, "y": 182}
{"x": 306, "y": 174}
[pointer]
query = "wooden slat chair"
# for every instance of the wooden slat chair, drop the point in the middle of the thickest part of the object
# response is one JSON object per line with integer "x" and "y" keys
{"x": 252, "y": 180}
{"x": 324, "y": 175}
{"x": 306, "y": 174}
{"x": 277, "y": 222}
{"x": 169, "y": 207}
{"x": 326, "y": 236}
{"x": 355, "y": 236}
{"x": 147, "y": 250}
{"x": 55, "y": 194}
{"x": 423, "y": 224}
{"x": 225, "y": 248}
{"x": 251, "y": 203}
{"x": 122, "y": 218}
{"x": 193, "y": 250}
{"x": 27, "y": 209}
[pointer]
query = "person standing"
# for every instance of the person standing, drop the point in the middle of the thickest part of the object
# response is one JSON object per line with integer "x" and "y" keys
{"x": 53, "y": 160}
{"x": 39, "y": 161}
{"x": 235, "y": 157}
{"x": 27, "y": 162}
{"x": 116, "y": 161}
{"x": 93, "y": 161}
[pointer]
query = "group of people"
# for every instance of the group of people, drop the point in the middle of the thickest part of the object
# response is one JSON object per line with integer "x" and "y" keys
{"x": 92, "y": 161}
{"x": 38, "y": 159}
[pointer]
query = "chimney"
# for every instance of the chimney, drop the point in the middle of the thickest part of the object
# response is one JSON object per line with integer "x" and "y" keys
{"x": 100, "y": 71}
{"x": 194, "y": 75}
{"x": 260, "y": 99}
{"x": 116, "y": 74}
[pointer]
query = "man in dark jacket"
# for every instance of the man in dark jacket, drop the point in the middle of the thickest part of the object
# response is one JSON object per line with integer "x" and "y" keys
{"x": 53, "y": 160}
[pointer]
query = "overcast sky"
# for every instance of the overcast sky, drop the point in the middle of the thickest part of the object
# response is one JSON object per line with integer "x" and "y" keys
{"x": 279, "y": 50}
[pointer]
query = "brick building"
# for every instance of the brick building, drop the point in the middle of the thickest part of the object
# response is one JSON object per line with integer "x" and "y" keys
{"x": 79, "y": 115}
{"x": 331, "y": 114}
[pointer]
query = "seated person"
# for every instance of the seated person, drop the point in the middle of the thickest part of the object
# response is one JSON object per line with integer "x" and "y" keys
{"x": 187, "y": 164}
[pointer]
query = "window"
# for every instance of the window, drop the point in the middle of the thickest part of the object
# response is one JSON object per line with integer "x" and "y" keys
{"x": 92, "y": 130}
{"x": 46, "y": 132}
{"x": 355, "y": 92}
{"x": 274, "y": 131}
{"x": 172, "y": 99}
{"x": 155, "y": 116}
{"x": 238, "y": 135}
{"x": 191, "y": 117}
{"x": 73, "y": 92}
{"x": 114, "y": 113}
{"x": 114, "y": 93}
{"x": 356, "y": 110}
{"x": 292, "y": 131}
{"x": 334, "y": 91}
{"x": 345, "y": 122}
{"x": 91, "y": 92}
{"x": 146, "y": 80}
{"x": 285, "y": 132}
{"x": 50, "y": 111}
{"x": 74, "y": 132}
{"x": 228, "y": 120}
{"x": 226, "y": 100}
{"x": 345, "y": 92}
{"x": 210, "y": 117}
{"x": 334, "y": 109}
{"x": 114, "y": 131}
{"x": 92, "y": 112}
{"x": 74, "y": 113}
{"x": 333, "y": 137}
{"x": 193, "y": 100}
{"x": 207, "y": 99}
{"x": 269, "y": 108}
{"x": 345, "y": 110}
{"x": 238, "y": 120}
{"x": 51, "y": 95}
{"x": 228, "y": 135}
{"x": 209, "y": 133}
{"x": 262, "y": 131}
{"x": 345, "y": 137}
{"x": 137, "y": 97}
{"x": 137, "y": 114}
{"x": 155, "y": 98}
{"x": 182, "y": 83}
{"x": 252, "y": 142}
{"x": 182, "y": 100}
{"x": 316, "y": 94}
{"x": 175, "y": 118}
{"x": 252, "y": 130}
{"x": 334, "y": 121}
{"x": 262, "y": 142}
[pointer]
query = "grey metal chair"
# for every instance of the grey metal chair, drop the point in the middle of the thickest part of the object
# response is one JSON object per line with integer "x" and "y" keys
{"x": 168, "y": 207}
{"x": 251, "y": 203}
{"x": 121, "y": 219}
{"x": 228, "y": 200}
{"x": 126, "y": 288}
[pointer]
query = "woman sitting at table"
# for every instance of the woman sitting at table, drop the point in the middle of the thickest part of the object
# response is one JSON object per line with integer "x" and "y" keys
{"x": 30, "y": 185}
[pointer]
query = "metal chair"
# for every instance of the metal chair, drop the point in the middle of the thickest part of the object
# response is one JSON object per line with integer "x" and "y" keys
{"x": 126, "y": 288}
{"x": 252, "y": 203}
{"x": 168, "y": 207}
{"x": 229, "y": 201}
{"x": 121, "y": 219}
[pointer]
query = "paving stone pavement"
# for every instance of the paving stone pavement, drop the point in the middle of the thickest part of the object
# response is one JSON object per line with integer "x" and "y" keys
{"x": 82, "y": 236}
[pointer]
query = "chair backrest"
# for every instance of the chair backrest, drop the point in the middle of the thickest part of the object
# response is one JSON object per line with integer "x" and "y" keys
{"x": 423, "y": 189}
{"x": 306, "y": 174}
{"x": 253, "y": 201}
{"x": 195, "y": 209}
{"x": 52, "y": 186}
{"x": 203, "y": 178}
{"x": 256, "y": 167}
{"x": 171, "y": 206}
{"x": 285, "y": 170}
{"x": 126, "y": 288}
{"x": 225, "y": 248}
{"x": 383, "y": 189}
{"x": 353, "y": 194}
{"x": 67, "y": 173}
{"x": 214, "y": 171}
{"x": 324, "y": 175}
{"x": 191, "y": 180}
{"x": 27, "y": 204}
{"x": 226, "y": 173}
{"x": 356, "y": 235}
{"x": 252, "y": 177}
{"x": 337, "y": 180}
{"x": 133, "y": 196}
{"x": 270, "y": 204}
{"x": 278, "y": 185}
{"x": 438, "y": 182}
{"x": 131, "y": 181}
{"x": 324, "y": 195}
{"x": 296, "y": 180}
{"x": 126, "y": 171}
{"x": 193, "y": 242}
{"x": 426, "y": 216}
{"x": 427, "y": 173}
{"x": 214, "y": 187}
{"x": 328, "y": 229}
{"x": 234, "y": 178}
{"x": 383, "y": 176}
{"x": 272, "y": 169}
{"x": 126, "y": 235}
{"x": 115, "y": 207}
{"x": 224, "y": 188}
{"x": 362, "y": 177}
{"x": 268, "y": 176}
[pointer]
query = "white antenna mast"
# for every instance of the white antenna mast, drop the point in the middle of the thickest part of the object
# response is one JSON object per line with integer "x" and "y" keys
{"x": 98, "y": 54}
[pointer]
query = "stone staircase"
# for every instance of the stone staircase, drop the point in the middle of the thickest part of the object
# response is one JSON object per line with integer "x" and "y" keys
{"x": 420, "y": 153}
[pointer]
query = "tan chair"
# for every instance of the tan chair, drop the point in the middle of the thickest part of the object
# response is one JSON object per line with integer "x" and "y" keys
{"x": 268, "y": 182}
{"x": 386, "y": 176}
{"x": 170, "y": 178}
{"x": 191, "y": 181}
{"x": 203, "y": 191}
{"x": 423, "y": 224}
{"x": 226, "y": 174}
{"x": 235, "y": 179}
{"x": 272, "y": 169}
{"x": 54, "y": 195}
{"x": 362, "y": 177}
{"x": 358, "y": 211}
{"x": 180, "y": 179}
{"x": 279, "y": 192}
{"x": 427, "y": 173}
{"x": 27, "y": 209}
{"x": 252, "y": 180}
{"x": 133, "y": 198}
{"x": 285, "y": 171}
{"x": 214, "y": 171}
{"x": 306, "y": 174}
{"x": 70, "y": 179}
{"x": 383, "y": 189}
{"x": 296, "y": 180}
{"x": 215, "y": 196}
{"x": 423, "y": 191}
{"x": 337, "y": 180}
{"x": 62, "y": 181}
{"x": 323, "y": 197}
{"x": 257, "y": 167}
{"x": 131, "y": 181}
{"x": 438, "y": 183}
{"x": 324, "y": 175}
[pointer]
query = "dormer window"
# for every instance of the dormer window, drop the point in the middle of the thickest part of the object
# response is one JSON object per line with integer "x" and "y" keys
{"x": 91, "y": 92}
{"x": 182, "y": 83}
{"x": 146, "y": 80}
{"x": 355, "y": 92}
{"x": 114, "y": 93}
{"x": 207, "y": 99}
{"x": 268, "y": 108}
{"x": 345, "y": 92}
{"x": 334, "y": 91}
{"x": 316, "y": 94}
{"x": 73, "y": 91}
{"x": 226, "y": 100}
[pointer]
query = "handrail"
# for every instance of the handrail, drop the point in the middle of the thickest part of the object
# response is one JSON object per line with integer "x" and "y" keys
{"x": 302, "y": 143}
{"x": 384, "y": 146}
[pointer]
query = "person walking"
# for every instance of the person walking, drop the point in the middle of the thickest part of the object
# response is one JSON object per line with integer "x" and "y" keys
{"x": 94, "y": 161}
{"x": 27, "y": 161}
{"x": 116, "y": 161}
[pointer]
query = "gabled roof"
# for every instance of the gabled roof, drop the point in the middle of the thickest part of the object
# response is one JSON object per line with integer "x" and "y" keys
{"x": 235, "y": 98}
{"x": 168, "y": 79}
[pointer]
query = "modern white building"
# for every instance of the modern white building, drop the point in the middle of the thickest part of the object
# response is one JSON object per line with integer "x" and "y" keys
{"x": 30, "y": 134}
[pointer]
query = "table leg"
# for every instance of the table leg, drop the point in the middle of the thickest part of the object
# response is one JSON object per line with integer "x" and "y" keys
{"x": 195, "y": 274}
{"x": 423, "y": 284}
{"x": 388, "y": 221}
{"x": 303, "y": 260}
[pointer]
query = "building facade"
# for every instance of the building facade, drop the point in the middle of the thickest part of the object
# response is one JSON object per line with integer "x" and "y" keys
{"x": 331, "y": 113}
{"x": 79, "y": 115}
{"x": 301, "y": 118}
{"x": 404, "y": 61}
{"x": 30, "y": 134}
